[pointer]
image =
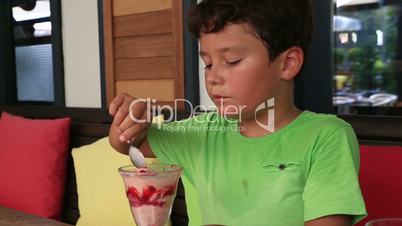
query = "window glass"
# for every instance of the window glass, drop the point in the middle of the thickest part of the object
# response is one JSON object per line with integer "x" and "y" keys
{"x": 41, "y": 9}
{"x": 34, "y": 73}
{"x": 367, "y": 53}
{"x": 32, "y": 20}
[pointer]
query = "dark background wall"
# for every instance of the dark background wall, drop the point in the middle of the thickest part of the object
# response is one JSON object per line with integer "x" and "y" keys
{"x": 313, "y": 89}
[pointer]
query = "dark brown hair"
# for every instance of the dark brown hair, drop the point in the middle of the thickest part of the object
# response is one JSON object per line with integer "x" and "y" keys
{"x": 280, "y": 24}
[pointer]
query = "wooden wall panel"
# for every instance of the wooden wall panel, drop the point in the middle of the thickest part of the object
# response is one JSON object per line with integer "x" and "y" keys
{"x": 108, "y": 50}
{"x": 161, "y": 90}
{"x": 178, "y": 42}
{"x": 128, "y": 7}
{"x": 144, "y": 46}
{"x": 144, "y": 68}
{"x": 144, "y": 23}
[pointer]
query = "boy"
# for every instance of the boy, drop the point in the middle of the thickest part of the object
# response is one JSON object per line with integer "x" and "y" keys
{"x": 281, "y": 168}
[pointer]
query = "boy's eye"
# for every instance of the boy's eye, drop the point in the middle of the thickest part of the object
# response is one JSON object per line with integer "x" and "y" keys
{"x": 233, "y": 63}
{"x": 207, "y": 66}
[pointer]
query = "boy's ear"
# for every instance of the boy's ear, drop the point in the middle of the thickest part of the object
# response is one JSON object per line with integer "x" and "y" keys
{"x": 292, "y": 61}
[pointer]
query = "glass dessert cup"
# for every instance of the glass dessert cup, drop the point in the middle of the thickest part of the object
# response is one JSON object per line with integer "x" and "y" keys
{"x": 385, "y": 222}
{"x": 151, "y": 192}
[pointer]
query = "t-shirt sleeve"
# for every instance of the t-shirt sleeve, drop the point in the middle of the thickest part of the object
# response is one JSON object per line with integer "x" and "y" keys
{"x": 332, "y": 185}
{"x": 176, "y": 143}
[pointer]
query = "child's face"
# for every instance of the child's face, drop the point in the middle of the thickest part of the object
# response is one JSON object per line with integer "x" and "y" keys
{"x": 238, "y": 75}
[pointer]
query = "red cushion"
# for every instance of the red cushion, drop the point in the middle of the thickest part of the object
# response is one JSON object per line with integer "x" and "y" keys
{"x": 381, "y": 181}
{"x": 33, "y": 161}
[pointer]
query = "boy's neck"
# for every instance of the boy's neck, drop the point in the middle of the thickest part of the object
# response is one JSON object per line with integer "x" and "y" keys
{"x": 283, "y": 116}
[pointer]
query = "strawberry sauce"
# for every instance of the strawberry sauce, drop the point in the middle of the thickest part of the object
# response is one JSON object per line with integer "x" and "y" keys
{"x": 149, "y": 196}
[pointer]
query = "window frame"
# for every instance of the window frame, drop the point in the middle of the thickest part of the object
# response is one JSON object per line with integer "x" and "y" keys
{"x": 8, "y": 89}
{"x": 8, "y": 84}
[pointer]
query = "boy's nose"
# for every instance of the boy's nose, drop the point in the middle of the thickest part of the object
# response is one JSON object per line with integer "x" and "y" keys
{"x": 214, "y": 77}
{"x": 214, "y": 80}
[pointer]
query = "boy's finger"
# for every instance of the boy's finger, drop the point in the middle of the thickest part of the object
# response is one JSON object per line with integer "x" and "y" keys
{"x": 131, "y": 117}
{"x": 131, "y": 129}
{"x": 126, "y": 123}
{"x": 115, "y": 104}
{"x": 137, "y": 109}
{"x": 124, "y": 111}
{"x": 132, "y": 132}
{"x": 137, "y": 140}
{"x": 136, "y": 118}
{"x": 120, "y": 115}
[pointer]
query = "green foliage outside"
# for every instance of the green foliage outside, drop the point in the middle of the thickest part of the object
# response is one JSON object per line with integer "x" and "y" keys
{"x": 371, "y": 66}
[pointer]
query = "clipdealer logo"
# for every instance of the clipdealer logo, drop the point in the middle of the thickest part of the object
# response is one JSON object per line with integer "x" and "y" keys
{"x": 267, "y": 105}
{"x": 154, "y": 110}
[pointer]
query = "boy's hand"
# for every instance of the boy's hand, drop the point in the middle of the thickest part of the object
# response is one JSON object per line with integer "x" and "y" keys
{"x": 128, "y": 125}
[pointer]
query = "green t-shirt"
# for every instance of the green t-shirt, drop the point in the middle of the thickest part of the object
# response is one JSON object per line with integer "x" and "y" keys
{"x": 305, "y": 170}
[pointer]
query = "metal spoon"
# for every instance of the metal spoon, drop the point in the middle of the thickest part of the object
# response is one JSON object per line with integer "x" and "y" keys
{"x": 136, "y": 157}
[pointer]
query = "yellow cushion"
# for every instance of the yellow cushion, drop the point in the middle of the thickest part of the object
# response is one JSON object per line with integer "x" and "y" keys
{"x": 101, "y": 195}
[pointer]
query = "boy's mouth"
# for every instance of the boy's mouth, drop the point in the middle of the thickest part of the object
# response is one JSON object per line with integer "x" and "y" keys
{"x": 218, "y": 98}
